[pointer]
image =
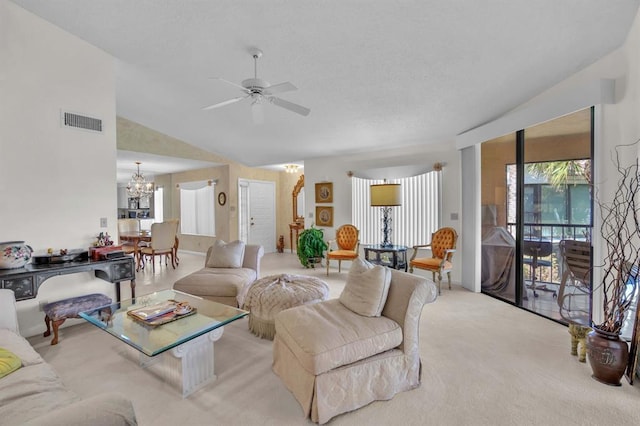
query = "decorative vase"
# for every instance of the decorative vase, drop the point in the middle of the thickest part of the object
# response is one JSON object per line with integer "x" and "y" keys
{"x": 608, "y": 356}
{"x": 14, "y": 254}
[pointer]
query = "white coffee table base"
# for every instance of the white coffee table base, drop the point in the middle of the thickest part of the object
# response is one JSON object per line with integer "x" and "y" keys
{"x": 196, "y": 366}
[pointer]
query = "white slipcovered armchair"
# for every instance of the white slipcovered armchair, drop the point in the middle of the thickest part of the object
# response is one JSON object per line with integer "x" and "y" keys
{"x": 335, "y": 360}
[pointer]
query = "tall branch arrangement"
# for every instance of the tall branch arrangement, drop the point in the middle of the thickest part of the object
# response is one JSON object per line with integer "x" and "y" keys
{"x": 620, "y": 232}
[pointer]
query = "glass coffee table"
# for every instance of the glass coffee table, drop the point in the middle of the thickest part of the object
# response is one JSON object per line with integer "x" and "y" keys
{"x": 188, "y": 337}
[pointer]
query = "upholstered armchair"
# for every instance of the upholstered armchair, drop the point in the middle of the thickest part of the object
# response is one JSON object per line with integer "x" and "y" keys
{"x": 229, "y": 271}
{"x": 442, "y": 246}
{"x": 334, "y": 359}
{"x": 344, "y": 247}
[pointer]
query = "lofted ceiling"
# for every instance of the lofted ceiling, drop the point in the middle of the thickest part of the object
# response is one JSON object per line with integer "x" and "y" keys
{"x": 376, "y": 74}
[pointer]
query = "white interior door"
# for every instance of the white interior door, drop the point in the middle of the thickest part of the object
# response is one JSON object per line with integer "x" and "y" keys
{"x": 257, "y": 213}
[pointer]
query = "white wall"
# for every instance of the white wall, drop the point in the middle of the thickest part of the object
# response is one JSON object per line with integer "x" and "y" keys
{"x": 386, "y": 164}
{"x": 55, "y": 183}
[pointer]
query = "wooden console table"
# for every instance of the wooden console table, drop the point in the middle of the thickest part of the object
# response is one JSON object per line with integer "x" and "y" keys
{"x": 25, "y": 281}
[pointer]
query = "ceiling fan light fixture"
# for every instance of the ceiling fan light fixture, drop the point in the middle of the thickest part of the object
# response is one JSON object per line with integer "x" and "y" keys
{"x": 259, "y": 90}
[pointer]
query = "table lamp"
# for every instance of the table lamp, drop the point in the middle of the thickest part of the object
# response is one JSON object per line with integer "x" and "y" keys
{"x": 386, "y": 195}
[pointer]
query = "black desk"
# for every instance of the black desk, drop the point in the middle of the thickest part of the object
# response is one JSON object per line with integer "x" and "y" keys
{"x": 25, "y": 281}
{"x": 392, "y": 256}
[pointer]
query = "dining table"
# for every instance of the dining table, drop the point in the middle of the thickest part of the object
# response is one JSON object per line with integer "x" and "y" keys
{"x": 135, "y": 238}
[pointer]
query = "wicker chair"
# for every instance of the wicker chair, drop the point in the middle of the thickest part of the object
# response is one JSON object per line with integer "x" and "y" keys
{"x": 442, "y": 246}
{"x": 347, "y": 243}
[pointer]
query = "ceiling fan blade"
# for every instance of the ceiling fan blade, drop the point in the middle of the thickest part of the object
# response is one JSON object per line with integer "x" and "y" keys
{"x": 244, "y": 89}
{"x": 279, "y": 88}
{"x": 298, "y": 109}
{"x": 257, "y": 112}
{"x": 221, "y": 104}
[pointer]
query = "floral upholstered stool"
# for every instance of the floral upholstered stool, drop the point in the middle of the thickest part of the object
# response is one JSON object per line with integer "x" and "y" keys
{"x": 57, "y": 312}
{"x": 270, "y": 295}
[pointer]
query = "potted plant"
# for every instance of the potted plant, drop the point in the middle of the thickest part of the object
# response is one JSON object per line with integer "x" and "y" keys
{"x": 311, "y": 247}
{"x": 620, "y": 233}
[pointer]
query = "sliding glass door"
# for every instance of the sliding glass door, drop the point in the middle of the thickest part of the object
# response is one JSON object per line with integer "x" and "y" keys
{"x": 535, "y": 195}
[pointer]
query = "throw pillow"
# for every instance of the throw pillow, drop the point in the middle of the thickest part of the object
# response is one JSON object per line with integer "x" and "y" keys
{"x": 226, "y": 255}
{"x": 9, "y": 362}
{"x": 367, "y": 287}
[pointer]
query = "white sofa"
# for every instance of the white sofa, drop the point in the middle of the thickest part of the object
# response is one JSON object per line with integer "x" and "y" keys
{"x": 35, "y": 395}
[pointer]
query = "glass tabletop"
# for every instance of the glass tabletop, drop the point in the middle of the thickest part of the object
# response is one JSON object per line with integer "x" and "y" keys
{"x": 152, "y": 340}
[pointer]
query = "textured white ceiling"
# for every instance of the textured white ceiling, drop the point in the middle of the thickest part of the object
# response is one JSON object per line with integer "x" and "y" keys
{"x": 375, "y": 74}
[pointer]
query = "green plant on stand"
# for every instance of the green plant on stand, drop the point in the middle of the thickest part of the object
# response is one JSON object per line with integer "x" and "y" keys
{"x": 311, "y": 247}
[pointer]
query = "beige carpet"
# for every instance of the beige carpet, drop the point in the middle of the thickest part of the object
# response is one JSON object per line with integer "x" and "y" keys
{"x": 484, "y": 363}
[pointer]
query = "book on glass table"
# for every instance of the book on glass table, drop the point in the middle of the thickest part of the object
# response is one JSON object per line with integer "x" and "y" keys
{"x": 162, "y": 313}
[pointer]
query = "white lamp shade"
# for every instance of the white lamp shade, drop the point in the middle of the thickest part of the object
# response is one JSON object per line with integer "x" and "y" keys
{"x": 386, "y": 194}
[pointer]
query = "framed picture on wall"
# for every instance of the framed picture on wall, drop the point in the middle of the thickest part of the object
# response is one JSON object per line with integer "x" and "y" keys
{"x": 324, "y": 216}
{"x": 324, "y": 192}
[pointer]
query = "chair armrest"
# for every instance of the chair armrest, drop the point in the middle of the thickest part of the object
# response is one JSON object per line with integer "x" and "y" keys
{"x": 329, "y": 244}
{"x": 407, "y": 295}
{"x": 252, "y": 255}
{"x": 8, "y": 311}
{"x": 419, "y": 247}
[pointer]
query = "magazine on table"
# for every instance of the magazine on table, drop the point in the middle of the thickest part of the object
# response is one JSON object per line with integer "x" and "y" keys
{"x": 163, "y": 310}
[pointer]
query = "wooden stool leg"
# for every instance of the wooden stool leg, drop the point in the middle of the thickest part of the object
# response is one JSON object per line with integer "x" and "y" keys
{"x": 56, "y": 324}
{"x": 47, "y": 321}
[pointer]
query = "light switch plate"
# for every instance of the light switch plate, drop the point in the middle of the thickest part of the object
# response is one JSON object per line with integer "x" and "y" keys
{"x": 103, "y": 222}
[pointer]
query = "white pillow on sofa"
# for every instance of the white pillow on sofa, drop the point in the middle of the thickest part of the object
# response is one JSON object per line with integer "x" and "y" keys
{"x": 226, "y": 255}
{"x": 367, "y": 287}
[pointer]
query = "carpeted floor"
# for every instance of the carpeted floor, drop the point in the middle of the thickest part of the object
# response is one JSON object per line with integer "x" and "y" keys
{"x": 484, "y": 363}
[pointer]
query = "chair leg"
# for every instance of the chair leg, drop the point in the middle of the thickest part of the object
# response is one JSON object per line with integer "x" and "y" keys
{"x": 327, "y": 266}
{"x": 339, "y": 265}
{"x": 449, "y": 278}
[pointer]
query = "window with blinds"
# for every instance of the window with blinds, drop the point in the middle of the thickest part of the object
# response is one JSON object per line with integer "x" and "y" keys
{"x": 412, "y": 223}
{"x": 197, "y": 208}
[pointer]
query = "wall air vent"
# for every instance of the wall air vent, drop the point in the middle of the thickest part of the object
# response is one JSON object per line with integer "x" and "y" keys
{"x": 78, "y": 121}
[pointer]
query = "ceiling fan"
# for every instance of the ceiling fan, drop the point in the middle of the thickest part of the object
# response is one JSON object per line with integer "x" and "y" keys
{"x": 261, "y": 92}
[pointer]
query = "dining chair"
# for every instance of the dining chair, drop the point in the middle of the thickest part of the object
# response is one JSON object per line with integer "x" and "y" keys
{"x": 442, "y": 246}
{"x": 346, "y": 243}
{"x": 176, "y": 222}
{"x": 127, "y": 226}
{"x": 163, "y": 237}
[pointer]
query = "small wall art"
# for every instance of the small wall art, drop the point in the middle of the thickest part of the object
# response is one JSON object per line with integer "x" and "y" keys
{"x": 324, "y": 192}
{"x": 324, "y": 216}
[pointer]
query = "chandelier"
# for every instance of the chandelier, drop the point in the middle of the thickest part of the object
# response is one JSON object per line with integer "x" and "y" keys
{"x": 291, "y": 168}
{"x": 139, "y": 187}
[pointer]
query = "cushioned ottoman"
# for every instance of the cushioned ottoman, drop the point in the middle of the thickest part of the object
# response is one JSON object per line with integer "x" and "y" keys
{"x": 57, "y": 312}
{"x": 270, "y": 295}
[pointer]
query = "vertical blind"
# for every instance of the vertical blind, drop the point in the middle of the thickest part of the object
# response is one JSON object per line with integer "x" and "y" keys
{"x": 412, "y": 223}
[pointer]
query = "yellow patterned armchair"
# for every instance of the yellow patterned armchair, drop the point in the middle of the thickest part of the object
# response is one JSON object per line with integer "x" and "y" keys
{"x": 442, "y": 246}
{"x": 347, "y": 241}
